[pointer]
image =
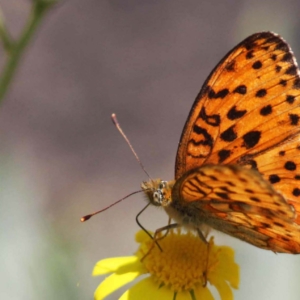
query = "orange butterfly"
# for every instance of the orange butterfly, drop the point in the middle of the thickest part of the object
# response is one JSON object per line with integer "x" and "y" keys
{"x": 238, "y": 162}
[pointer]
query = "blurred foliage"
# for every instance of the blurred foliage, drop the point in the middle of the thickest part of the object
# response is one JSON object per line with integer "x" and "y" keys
{"x": 14, "y": 48}
{"x": 55, "y": 256}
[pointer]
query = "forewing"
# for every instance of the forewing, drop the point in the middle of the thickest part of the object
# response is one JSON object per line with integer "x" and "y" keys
{"x": 241, "y": 203}
{"x": 248, "y": 113}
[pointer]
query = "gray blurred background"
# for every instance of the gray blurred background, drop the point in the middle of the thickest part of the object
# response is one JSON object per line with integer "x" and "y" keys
{"x": 62, "y": 158}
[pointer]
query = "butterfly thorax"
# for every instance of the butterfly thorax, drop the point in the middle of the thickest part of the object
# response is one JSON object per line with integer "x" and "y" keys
{"x": 165, "y": 194}
{"x": 158, "y": 192}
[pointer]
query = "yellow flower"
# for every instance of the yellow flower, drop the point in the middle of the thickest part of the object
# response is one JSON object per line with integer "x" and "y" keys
{"x": 179, "y": 272}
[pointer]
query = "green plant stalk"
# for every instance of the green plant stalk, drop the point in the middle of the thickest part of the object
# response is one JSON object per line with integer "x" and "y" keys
{"x": 17, "y": 48}
{"x": 4, "y": 34}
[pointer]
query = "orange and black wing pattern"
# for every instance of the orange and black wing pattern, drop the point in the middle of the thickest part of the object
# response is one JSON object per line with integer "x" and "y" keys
{"x": 247, "y": 114}
{"x": 239, "y": 202}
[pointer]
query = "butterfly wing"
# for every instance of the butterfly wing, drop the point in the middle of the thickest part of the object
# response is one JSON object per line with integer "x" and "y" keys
{"x": 253, "y": 90}
{"x": 238, "y": 202}
{"x": 248, "y": 113}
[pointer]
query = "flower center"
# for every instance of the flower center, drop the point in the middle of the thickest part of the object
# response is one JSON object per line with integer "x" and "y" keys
{"x": 184, "y": 263}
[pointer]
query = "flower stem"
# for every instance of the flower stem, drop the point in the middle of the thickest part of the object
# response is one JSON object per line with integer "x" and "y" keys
{"x": 4, "y": 34}
{"x": 15, "y": 49}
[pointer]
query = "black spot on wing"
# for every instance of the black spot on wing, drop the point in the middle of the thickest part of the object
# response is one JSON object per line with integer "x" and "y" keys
{"x": 265, "y": 225}
{"x": 297, "y": 83}
{"x": 274, "y": 178}
{"x": 230, "y": 183}
{"x": 282, "y": 82}
{"x": 292, "y": 70}
{"x": 249, "y": 54}
{"x": 241, "y": 89}
{"x": 294, "y": 119}
{"x": 226, "y": 189}
{"x": 221, "y": 94}
{"x": 261, "y": 93}
{"x": 296, "y": 192}
{"x": 255, "y": 199}
{"x": 251, "y": 139}
{"x": 230, "y": 66}
{"x": 234, "y": 114}
{"x": 266, "y": 110}
{"x": 223, "y": 155}
{"x": 213, "y": 120}
{"x": 229, "y": 134}
{"x": 205, "y": 139}
{"x": 290, "y": 99}
{"x": 249, "y": 44}
{"x": 288, "y": 57}
{"x": 257, "y": 65}
{"x": 202, "y": 131}
{"x": 253, "y": 164}
{"x": 223, "y": 195}
{"x": 278, "y": 224}
{"x": 278, "y": 68}
{"x": 290, "y": 165}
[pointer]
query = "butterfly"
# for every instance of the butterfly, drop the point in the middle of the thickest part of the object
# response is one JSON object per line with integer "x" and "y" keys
{"x": 238, "y": 162}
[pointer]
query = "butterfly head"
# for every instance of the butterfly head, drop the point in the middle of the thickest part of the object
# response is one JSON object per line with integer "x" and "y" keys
{"x": 158, "y": 192}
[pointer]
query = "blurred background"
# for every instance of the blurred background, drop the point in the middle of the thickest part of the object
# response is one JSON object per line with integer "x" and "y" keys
{"x": 61, "y": 157}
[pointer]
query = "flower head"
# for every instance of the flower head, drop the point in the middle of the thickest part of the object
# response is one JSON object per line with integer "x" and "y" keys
{"x": 180, "y": 271}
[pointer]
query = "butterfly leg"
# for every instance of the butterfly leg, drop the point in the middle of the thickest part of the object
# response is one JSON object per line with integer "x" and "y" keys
{"x": 206, "y": 268}
{"x": 143, "y": 228}
{"x": 155, "y": 238}
{"x": 167, "y": 231}
{"x": 203, "y": 238}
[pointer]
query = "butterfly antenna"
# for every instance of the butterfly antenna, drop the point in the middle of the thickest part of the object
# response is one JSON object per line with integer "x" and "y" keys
{"x": 115, "y": 121}
{"x": 87, "y": 217}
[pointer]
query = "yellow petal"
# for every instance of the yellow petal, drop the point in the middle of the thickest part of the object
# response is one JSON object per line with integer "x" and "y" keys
{"x": 223, "y": 288}
{"x": 114, "y": 282}
{"x": 141, "y": 236}
{"x": 227, "y": 268}
{"x": 119, "y": 264}
{"x": 203, "y": 293}
{"x": 147, "y": 289}
{"x": 185, "y": 296}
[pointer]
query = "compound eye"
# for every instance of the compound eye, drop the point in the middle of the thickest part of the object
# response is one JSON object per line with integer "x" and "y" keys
{"x": 157, "y": 197}
{"x": 162, "y": 184}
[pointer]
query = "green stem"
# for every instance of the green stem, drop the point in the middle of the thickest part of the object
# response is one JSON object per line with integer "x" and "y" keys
{"x": 4, "y": 34}
{"x": 16, "y": 49}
